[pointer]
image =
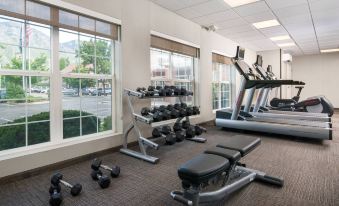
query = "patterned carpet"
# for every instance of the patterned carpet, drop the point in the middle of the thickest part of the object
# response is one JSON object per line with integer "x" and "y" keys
{"x": 310, "y": 170}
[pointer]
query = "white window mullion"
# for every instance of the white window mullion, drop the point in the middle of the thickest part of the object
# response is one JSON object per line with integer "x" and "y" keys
{"x": 56, "y": 113}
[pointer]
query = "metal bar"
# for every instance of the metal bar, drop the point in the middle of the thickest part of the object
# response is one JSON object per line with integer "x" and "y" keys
{"x": 239, "y": 100}
{"x": 248, "y": 102}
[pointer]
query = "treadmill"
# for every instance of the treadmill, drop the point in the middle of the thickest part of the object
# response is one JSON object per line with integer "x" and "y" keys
{"x": 260, "y": 106}
{"x": 237, "y": 119}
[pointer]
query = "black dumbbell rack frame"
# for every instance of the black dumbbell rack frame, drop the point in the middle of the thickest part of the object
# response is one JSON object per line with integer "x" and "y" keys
{"x": 143, "y": 142}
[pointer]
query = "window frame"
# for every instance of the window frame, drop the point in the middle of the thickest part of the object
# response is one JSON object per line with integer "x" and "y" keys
{"x": 230, "y": 83}
{"x": 55, "y": 84}
{"x": 171, "y": 69}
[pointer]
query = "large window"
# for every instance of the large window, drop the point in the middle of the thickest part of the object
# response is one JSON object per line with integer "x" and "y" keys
{"x": 223, "y": 79}
{"x": 81, "y": 65}
{"x": 169, "y": 68}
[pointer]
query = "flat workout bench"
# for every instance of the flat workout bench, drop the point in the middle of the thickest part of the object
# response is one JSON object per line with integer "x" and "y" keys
{"x": 219, "y": 163}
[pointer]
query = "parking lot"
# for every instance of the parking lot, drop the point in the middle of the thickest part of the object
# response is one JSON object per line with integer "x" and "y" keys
{"x": 97, "y": 105}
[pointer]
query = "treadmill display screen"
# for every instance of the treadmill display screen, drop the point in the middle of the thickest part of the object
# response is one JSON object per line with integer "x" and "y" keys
{"x": 259, "y": 60}
{"x": 240, "y": 53}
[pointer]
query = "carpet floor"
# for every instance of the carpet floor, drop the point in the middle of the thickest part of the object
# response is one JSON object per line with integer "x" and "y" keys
{"x": 310, "y": 170}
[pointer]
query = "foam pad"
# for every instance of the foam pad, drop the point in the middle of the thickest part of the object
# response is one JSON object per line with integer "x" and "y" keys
{"x": 202, "y": 168}
{"x": 232, "y": 155}
{"x": 243, "y": 144}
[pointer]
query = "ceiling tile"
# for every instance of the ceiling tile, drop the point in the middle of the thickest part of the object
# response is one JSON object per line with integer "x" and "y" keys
{"x": 291, "y": 11}
{"x": 209, "y": 7}
{"x": 267, "y": 15}
{"x": 237, "y": 29}
{"x": 278, "y": 4}
{"x": 216, "y": 17}
{"x": 231, "y": 23}
{"x": 253, "y": 8}
{"x": 177, "y": 4}
{"x": 323, "y": 5}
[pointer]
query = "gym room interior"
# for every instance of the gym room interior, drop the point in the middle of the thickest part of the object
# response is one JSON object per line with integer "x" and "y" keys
{"x": 169, "y": 102}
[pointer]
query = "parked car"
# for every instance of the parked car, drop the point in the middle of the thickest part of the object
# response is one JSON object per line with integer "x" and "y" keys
{"x": 69, "y": 92}
{"x": 101, "y": 91}
{"x": 85, "y": 91}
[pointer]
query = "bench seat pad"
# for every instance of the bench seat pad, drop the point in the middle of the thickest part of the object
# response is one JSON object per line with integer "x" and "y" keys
{"x": 243, "y": 144}
{"x": 202, "y": 168}
{"x": 232, "y": 155}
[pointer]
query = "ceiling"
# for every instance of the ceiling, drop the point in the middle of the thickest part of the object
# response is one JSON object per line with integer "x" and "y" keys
{"x": 312, "y": 24}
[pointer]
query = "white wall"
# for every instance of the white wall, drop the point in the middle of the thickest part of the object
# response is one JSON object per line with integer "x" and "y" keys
{"x": 138, "y": 18}
{"x": 320, "y": 73}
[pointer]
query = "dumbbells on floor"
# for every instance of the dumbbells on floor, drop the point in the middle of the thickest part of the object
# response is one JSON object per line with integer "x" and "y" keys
{"x": 55, "y": 189}
{"x": 97, "y": 175}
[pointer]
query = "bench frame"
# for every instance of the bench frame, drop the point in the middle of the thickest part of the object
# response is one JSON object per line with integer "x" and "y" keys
{"x": 236, "y": 177}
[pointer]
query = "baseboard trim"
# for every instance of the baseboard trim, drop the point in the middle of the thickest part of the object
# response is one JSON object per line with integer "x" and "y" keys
{"x": 70, "y": 162}
{"x": 59, "y": 165}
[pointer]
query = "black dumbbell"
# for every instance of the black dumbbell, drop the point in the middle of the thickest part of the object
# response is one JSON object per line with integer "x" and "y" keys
{"x": 186, "y": 127}
{"x": 170, "y": 138}
{"x": 103, "y": 180}
{"x": 56, "y": 179}
{"x": 196, "y": 110}
{"x": 199, "y": 130}
{"x": 174, "y": 112}
{"x": 169, "y": 90}
{"x": 165, "y": 112}
{"x": 177, "y": 91}
{"x": 156, "y": 115}
{"x": 189, "y": 111}
{"x": 157, "y": 90}
{"x": 143, "y": 91}
{"x": 56, "y": 198}
{"x": 179, "y": 135}
{"x": 97, "y": 164}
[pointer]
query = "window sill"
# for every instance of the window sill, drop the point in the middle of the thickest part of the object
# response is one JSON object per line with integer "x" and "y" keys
{"x": 43, "y": 147}
{"x": 215, "y": 110}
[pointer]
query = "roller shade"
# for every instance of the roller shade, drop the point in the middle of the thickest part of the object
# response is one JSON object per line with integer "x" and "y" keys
{"x": 173, "y": 46}
{"x": 54, "y": 16}
{"x": 221, "y": 59}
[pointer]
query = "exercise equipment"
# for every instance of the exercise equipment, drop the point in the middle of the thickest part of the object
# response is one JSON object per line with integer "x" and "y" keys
{"x": 170, "y": 138}
{"x": 56, "y": 197}
{"x": 157, "y": 91}
{"x": 173, "y": 111}
{"x": 179, "y": 135}
{"x": 114, "y": 170}
{"x": 220, "y": 165}
{"x": 144, "y": 91}
{"x": 157, "y": 116}
{"x": 315, "y": 104}
{"x": 261, "y": 110}
{"x": 103, "y": 180}
{"x": 56, "y": 180}
{"x": 236, "y": 119}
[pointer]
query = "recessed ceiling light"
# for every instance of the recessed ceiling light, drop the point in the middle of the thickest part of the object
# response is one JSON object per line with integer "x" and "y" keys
{"x": 279, "y": 38}
{"x": 286, "y": 44}
{"x": 235, "y": 3}
{"x": 329, "y": 50}
{"x": 265, "y": 24}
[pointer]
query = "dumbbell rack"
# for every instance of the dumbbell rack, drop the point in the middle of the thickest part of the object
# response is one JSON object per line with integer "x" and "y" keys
{"x": 143, "y": 142}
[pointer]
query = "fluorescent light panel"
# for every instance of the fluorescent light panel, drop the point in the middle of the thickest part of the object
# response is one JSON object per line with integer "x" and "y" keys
{"x": 286, "y": 44}
{"x": 235, "y": 3}
{"x": 280, "y": 38}
{"x": 266, "y": 24}
{"x": 329, "y": 50}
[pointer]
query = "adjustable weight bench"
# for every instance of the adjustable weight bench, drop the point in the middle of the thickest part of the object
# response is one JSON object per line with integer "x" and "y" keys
{"x": 220, "y": 163}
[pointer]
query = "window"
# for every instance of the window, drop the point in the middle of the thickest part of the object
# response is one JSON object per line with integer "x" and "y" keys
{"x": 169, "y": 68}
{"x": 28, "y": 71}
{"x": 223, "y": 79}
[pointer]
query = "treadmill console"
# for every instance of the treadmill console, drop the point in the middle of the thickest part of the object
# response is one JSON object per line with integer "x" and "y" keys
{"x": 240, "y": 53}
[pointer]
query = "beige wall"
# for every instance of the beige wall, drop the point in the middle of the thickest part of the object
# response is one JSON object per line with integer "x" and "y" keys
{"x": 320, "y": 73}
{"x": 138, "y": 18}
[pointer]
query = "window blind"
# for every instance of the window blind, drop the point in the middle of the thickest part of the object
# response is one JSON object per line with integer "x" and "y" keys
{"x": 59, "y": 17}
{"x": 173, "y": 46}
{"x": 221, "y": 59}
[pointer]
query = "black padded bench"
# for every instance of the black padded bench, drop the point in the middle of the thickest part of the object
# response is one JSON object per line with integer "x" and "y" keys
{"x": 213, "y": 163}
